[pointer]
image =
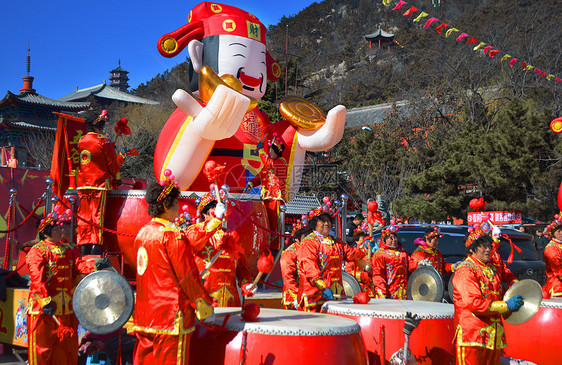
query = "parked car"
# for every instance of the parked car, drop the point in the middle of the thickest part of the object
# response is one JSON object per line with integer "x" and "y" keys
{"x": 525, "y": 265}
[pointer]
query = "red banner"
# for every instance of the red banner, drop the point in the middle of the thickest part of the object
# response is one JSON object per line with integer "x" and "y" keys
{"x": 497, "y": 217}
{"x": 66, "y": 155}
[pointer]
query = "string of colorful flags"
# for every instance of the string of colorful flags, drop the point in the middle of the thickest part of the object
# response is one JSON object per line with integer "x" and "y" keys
{"x": 462, "y": 37}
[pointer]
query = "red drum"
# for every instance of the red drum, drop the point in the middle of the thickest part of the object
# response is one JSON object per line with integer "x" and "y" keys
{"x": 280, "y": 337}
{"x": 431, "y": 342}
{"x": 126, "y": 212}
{"x": 537, "y": 340}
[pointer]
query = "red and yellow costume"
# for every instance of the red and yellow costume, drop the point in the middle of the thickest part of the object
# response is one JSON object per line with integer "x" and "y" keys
{"x": 99, "y": 169}
{"x": 220, "y": 282}
{"x": 272, "y": 178}
{"x": 432, "y": 254}
{"x": 320, "y": 260}
{"x": 290, "y": 274}
{"x": 169, "y": 295}
{"x": 390, "y": 272}
{"x": 478, "y": 294}
{"x": 52, "y": 269}
{"x": 364, "y": 278}
{"x": 553, "y": 262}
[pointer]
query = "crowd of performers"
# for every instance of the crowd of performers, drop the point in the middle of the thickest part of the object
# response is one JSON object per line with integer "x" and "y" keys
{"x": 311, "y": 268}
{"x": 183, "y": 273}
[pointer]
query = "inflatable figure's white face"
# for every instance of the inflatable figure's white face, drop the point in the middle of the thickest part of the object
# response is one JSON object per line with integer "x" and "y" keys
{"x": 244, "y": 59}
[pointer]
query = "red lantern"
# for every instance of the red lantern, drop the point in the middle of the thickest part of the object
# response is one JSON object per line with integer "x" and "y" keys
{"x": 372, "y": 206}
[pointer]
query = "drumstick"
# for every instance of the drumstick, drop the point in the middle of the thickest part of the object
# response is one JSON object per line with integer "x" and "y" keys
{"x": 340, "y": 296}
{"x": 211, "y": 262}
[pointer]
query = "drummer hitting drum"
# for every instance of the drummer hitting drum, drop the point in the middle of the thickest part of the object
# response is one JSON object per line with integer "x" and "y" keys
{"x": 478, "y": 293}
{"x": 320, "y": 259}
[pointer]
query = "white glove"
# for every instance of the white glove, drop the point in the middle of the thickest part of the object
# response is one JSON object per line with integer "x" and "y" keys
{"x": 220, "y": 210}
{"x": 250, "y": 288}
{"x": 425, "y": 262}
{"x": 296, "y": 304}
{"x": 496, "y": 232}
{"x": 209, "y": 321}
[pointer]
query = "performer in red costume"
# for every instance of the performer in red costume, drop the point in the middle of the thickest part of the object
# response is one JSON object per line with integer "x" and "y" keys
{"x": 428, "y": 252}
{"x": 290, "y": 267}
{"x": 53, "y": 264}
{"x": 208, "y": 239}
{"x": 478, "y": 293}
{"x": 390, "y": 267}
{"x": 272, "y": 179}
{"x": 365, "y": 277}
{"x": 321, "y": 258}
{"x": 99, "y": 173}
{"x": 170, "y": 293}
{"x": 553, "y": 260}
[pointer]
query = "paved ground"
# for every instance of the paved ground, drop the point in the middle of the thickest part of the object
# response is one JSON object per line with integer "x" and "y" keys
{"x": 10, "y": 360}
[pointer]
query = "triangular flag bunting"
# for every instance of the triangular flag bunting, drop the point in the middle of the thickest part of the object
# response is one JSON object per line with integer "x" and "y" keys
{"x": 440, "y": 28}
{"x": 558, "y": 79}
{"x": 410, "y": 11}
{"x": 451, "y": 31}
{"x": 459, "y": 38}
{"x": 399, "y": 5}
{"x": 493, "y": 53}
{"x": 529, "y": 67}
{"x": 549, "y": 77}
{"x": 480, "y": 45}
{"x": 472, "y": 40}
{"x": 512, "y": 62}
{"x": 487, "y": 49}
{"x": 422, "y": 15}
{"x": 431, "y": 20}
{"x": 505, "y": 57}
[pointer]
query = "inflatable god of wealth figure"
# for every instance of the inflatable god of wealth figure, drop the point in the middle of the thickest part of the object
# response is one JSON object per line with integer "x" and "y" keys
{"x": 227, "y": 41}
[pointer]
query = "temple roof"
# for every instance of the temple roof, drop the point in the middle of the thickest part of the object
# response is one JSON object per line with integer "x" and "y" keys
{"x": 107, "y": 92}
{"x": 36, "y": 99}
{"x": 374, "y": 114}
{"x": 26, "y": 125}
{"x": 302, "y": 205}
{"x": 380, "y": 34}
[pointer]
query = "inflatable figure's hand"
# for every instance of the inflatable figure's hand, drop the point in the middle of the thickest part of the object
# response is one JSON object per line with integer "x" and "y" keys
{"x": 221, "y": 117}
{"x": 328, "y": 135}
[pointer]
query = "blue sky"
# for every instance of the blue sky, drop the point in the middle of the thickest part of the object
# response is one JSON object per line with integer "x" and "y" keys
{"x": 76, "y": 43}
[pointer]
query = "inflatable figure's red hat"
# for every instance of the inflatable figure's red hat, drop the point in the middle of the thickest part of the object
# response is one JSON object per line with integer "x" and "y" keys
{"x": 208, "y": 19}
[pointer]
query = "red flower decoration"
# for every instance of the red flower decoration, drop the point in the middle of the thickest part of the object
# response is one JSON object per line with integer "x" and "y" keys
{"x": 122, "y": 128}
{"x": 251, "y": 312}
{"x": 361, "y": 298}
{"x": 212, "y": 171}
{"x": 478, "y": 205}
{"x": 266, "y": 262}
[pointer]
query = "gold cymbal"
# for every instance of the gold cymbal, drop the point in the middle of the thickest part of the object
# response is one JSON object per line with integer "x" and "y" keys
{"x": 532, "y": 298}
{"x": 301, "y": 113}
{"x": 209, "y": 80}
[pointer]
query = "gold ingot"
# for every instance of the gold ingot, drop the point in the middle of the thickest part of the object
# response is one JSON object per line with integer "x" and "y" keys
{"x": 209, "y": 81}
{"x": 301, "y": 113}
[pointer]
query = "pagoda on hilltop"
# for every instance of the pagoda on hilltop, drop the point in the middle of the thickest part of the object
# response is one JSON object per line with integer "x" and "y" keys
{"x": 380, "y": 37}
{"x": 25, "y": 116}
{"x": 119, "y": 78}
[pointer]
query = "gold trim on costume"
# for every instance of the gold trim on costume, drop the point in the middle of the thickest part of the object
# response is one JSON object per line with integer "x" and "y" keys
{"x": 203, "y": 310}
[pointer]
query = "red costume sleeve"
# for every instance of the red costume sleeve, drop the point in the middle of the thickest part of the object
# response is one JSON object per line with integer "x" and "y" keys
{"x": 111, "y": 160}
{"x": 379, "y": 275}
{"x": 415, "y": 258}
{"x": 351, "y": 253}
{"x": 309, "y": 260}
{"x": 81, "y": 266}
{"x": 242, "y": 272}
{"x": 199, "y": 234}
{"x": 37, "y": 266}
{"x": 183, "y": 264}
{"x": 553, "y": 260}
{"x": 289, "y": 273}
{"x": 471, "y": 293}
